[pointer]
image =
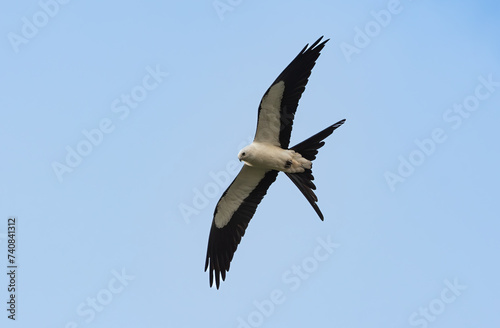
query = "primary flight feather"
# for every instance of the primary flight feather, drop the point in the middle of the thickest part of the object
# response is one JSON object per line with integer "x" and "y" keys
{"x": 264, "y": 158}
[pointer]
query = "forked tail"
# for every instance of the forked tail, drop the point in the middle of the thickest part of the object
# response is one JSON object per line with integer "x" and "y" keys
{"x": 309, "y": 149}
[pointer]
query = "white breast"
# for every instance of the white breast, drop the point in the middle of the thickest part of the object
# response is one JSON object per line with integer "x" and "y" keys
{"x": 269, "y": 157}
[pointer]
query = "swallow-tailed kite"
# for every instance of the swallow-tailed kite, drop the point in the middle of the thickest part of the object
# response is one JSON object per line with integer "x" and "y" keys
{"x": 264, "y": 158}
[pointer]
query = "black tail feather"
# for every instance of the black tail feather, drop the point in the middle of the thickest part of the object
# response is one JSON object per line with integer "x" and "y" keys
{"x": 309, "y": 149}
{"x": 306, "y": 187}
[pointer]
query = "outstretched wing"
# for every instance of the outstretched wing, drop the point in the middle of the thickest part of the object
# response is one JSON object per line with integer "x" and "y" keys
{"x": 277, "y": 107}
{"x": 232, "y": 214}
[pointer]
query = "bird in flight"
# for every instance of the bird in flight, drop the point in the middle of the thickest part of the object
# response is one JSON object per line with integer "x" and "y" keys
{"x": 264, "y": 158}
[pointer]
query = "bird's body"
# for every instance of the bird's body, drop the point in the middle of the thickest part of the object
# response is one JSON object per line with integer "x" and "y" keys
{"x": 270, "y": 157}
{"x": 267, "y": 155}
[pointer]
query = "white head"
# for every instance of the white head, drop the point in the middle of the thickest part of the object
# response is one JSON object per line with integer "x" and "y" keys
{"x": 246, "y": 154}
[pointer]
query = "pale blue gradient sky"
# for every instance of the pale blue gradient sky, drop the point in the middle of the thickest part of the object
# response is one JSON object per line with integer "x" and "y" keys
{"x": 120, "y": 208}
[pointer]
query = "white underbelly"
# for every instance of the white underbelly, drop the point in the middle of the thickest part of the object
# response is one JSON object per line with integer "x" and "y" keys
{"x": 270, "y": 157}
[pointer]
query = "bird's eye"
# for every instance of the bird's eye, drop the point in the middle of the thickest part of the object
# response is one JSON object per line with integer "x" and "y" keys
{"x": 243, "y": 154}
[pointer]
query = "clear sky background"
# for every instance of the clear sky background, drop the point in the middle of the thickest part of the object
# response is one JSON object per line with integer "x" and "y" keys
{"x": 121, "y": 121}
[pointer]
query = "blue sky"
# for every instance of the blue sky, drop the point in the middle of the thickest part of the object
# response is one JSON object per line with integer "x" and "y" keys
{"x": 120, "y": 126}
